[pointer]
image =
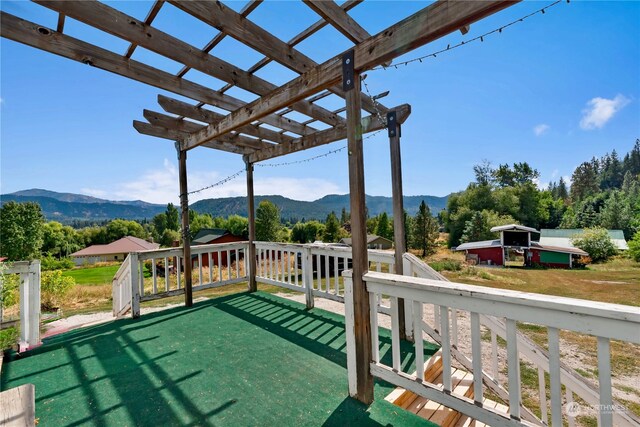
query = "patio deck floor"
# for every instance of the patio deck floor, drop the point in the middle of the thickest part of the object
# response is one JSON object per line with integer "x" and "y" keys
{"x": 243, "y": 359}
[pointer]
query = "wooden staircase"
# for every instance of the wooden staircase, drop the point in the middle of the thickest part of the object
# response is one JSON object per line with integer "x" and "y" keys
{"x": 461, "y": 384}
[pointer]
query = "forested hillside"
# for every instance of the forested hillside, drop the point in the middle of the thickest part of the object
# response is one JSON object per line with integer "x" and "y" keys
{"x": 603, "y": 192}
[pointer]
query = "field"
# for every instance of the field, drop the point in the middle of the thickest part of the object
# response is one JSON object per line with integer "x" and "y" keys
{"x": 93, "y": 275}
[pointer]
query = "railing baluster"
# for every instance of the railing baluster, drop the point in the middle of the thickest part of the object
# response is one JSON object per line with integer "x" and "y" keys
{"x": 513, "y": 369}
{"x": 454, "y": 327}
{"x": 569, "y": 399}
{"x": 476, "y": 354}
{"x": 336, "y": 261}
{"x": 289, "y": 267}
{"x": 228, "y": 264}
{"x": 604, "y": 382}
{"x": 373, "y": 318}
{"x": 436, "y": 318}
{"x": 141, "y": 277}
{"x": 554, "y": 374}
{"x": 154, "y": 275}
{"x": 210, "y": 267}
{"x": 494, "y": 356}
{"x": 166, "y": 274}
{"x": 237, "y": 258}
{"x": 542, "y": 387}
{"x": 178, "y": 268}
{"x": 272, "y": 258}
{"x": 295, "y": 267}
{"x": 395, "y": 333}
{"x": 327, "y": 275}
{"x": 200, "y": 269}
{"x": 417, "y": 338}
{"x": 446, "y": 348}
{"x": 219, "y": 266}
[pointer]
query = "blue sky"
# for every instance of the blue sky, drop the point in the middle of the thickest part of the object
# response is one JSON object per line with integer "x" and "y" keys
{"x": 554, "y": 91}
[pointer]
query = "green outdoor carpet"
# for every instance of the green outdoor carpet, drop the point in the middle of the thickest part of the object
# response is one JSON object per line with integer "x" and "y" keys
{"x": 240, "y": 360}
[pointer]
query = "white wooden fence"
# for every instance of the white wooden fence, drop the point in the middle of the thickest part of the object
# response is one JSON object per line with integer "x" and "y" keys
{"x": 29, "y": 272}
{"x": 212, "y": 266}
{"x": 488, "y": 306}
{"x": 313, "y": 269}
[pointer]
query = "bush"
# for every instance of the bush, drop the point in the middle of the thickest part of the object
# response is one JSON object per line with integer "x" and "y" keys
{"x": 634, "y": 247}
{"x": 446, "y": 265}
{"x": 54, "y": 286}
{"x": 8, "y": 338}
{"x": 597, "y": 243}
{"x": 50, "y": 263}
{"x": 9, "y": 293}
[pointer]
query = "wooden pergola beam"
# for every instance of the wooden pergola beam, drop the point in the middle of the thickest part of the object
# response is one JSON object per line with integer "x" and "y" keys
{"x": 176, "y": 135}
{"x": 38, "y": 36}
{"x": 174, "y": 123}
{"x": 369, "y": 124}
{"x": 153, "y": 12}
{"x": 242, "y": 29}
{"x": 204, "y": 115}
{"x": 339, "y": 19}
{"x": 431, "y": 23}
{"x": 119, "y": 24}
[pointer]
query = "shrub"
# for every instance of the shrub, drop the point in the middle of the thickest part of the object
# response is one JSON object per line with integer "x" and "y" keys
{"x": 9, "y": 292}
{"x": 634, "y": 247}
{"x": 54, "y": 286}
{"x": 8, "y": 338}
{"x": 50, "y": 263}
{"x": 597, "y": 243}
{"x": 446, "y": 265}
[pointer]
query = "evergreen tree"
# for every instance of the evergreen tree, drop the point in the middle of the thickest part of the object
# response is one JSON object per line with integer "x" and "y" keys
{"x": 425, "y": 230}
{"x": 267, "y": 221}
{"x": 562, "y": 191}
{"x": 616, "y": 214}
{"x": 584, "y": 181}
{"x": 383, "y": 228}
{"x": 21, "y": 230}
{"x": 344, "y": 217}
{"x": 332, "y": 228}
{"x": 173, "y": 217}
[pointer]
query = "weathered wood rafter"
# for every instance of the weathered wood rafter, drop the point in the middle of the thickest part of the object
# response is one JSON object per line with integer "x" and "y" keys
{"x": 177, "y": 135}
{"x": 163, "y": 120}
{"x": 46, "y": 39}
{"x": 369, "y": 124}
{"x": 435, "y": 21}
{"x": 204, "y": 115}
{"x": 339, "y": 19}
{"x": 233, "y": 24}
{"x": 112, "y": 21}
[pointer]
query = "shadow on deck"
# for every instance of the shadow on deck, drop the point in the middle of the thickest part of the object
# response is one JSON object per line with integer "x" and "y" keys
{"x": 244, "y": 359}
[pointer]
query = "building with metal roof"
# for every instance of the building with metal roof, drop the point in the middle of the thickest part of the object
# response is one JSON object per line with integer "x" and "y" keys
{"x": 563, "y": 237}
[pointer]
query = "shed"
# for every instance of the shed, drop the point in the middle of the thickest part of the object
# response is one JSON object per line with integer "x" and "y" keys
{"x": 488, "y": 252}
{"x": 553, "y": 256}
{"x": 562, "y": 237}
{"x": 208, "y": 236}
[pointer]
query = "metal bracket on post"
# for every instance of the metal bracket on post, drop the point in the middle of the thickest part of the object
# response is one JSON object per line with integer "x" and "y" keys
{"x": 392, "y": 124}
{"x": 348, "y": 81}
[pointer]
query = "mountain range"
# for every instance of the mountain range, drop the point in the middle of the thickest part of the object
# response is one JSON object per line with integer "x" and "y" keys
{"x": 69, "y": 207}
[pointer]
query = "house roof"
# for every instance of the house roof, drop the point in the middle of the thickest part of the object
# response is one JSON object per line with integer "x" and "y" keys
{"x": 513, "y": 227}
{"x": 560, "y": 249}
{"x": 562, "y": 237}
{"x": 205, "y": 232}
{"x": 370, "y": 239}
{"x": 125, "y": 245}
{"x": 479, "y": 245}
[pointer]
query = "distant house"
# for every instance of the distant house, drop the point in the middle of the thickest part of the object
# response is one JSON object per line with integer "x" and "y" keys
{"x": 521, "y": 240}
{"x": 114, "y": 251}
{"x": 562, "y": 237}
{"x": 208, "y": 236}
{"x": 373, "y": 242}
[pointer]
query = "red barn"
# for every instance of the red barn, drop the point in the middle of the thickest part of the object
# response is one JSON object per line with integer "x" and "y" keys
{"x": 208, "y": 236}
{"x": 488, "y": 252}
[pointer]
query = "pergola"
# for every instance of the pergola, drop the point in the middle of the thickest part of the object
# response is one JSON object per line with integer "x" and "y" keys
{"x": 248, "y": 128}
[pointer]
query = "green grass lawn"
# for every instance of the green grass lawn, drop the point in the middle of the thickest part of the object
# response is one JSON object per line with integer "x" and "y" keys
{"x": 93, "y": 275}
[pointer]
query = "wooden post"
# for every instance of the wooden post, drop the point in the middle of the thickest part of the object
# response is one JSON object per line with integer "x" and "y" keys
{"x": 361, "y": 308}
{"x": 398, "y": 210}
{"x": 253, "y": 286}
{"x": 186, "y": 237}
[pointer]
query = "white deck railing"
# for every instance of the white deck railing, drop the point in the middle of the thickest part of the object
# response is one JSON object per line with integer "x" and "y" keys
{"x": 121, "y": 287}
{"x": 313, "y": 269}
{"x": 29, "y": 272}
{"x": 605, "y": 321}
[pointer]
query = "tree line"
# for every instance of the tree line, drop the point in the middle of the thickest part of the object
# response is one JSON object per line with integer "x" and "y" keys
{"x": 603, "y": 193}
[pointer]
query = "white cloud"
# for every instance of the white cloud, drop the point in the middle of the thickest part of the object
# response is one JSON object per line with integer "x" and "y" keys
{"x": 600, "y": 110}
{"x": 162, "y": 186}
{"x": 541, "y": 129}
{"x": 554, "y": 173}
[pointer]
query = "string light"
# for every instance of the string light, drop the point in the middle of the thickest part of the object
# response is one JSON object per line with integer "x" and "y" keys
{"x": 221, "y": 182}
{"x": 466, "y": 42}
